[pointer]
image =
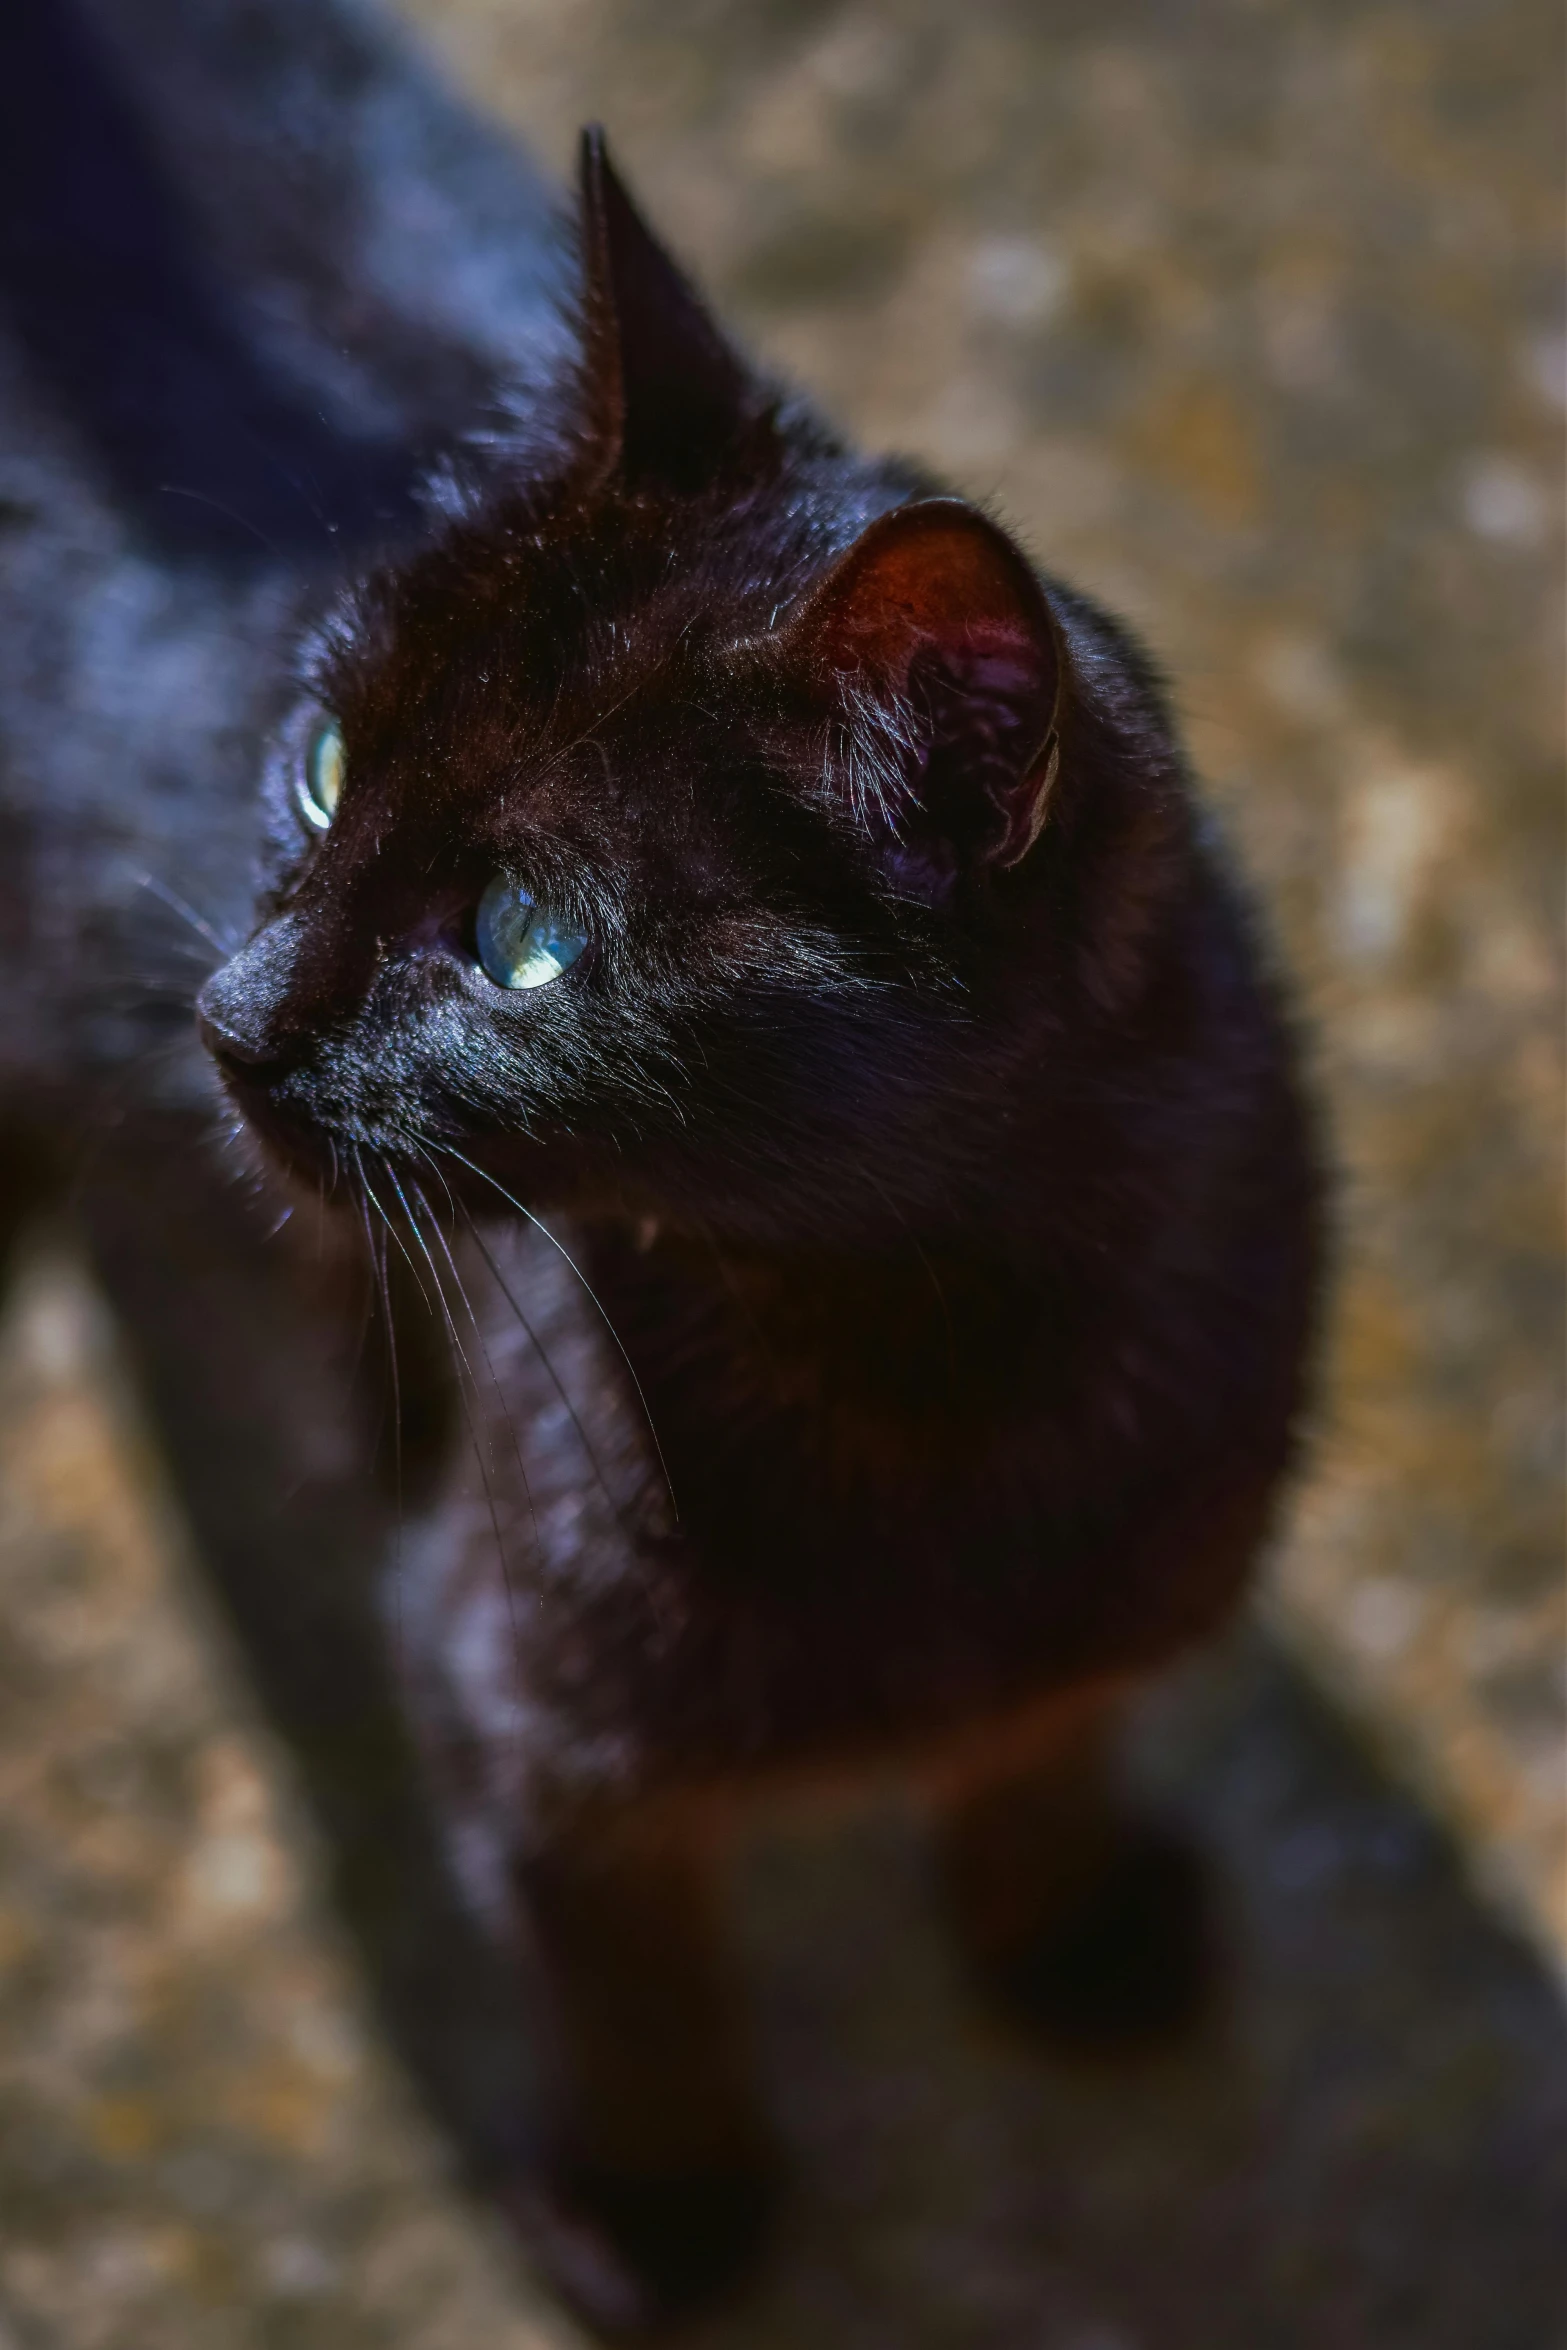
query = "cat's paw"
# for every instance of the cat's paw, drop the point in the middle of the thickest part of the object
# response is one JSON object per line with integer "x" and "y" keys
{"x": 632, "y": 2255}
{"x": 1132, "y": 1969}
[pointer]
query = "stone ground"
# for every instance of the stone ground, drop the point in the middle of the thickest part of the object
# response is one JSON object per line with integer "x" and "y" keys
{"x": 1248, "y": 315}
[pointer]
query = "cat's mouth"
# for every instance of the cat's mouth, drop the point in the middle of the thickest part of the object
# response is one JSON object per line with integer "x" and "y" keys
{"x": 297, "y": 1144}
{"x": 342, "y": 1152}
{"x": 287, "y": 1107}
{"x": 342, "y": 1165}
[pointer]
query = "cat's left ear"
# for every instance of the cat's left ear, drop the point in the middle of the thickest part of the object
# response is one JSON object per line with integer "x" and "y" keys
{"x": 665, "y": 395}
{"x": 933, "y": 638}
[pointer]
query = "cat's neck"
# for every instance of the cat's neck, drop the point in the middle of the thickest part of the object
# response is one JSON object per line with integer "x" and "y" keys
{"x": 920, "y": 1330}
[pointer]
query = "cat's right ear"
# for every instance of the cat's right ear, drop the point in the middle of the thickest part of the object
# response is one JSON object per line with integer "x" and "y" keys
{"x": 665, "y": 398}
{"x": 935, "y": 648}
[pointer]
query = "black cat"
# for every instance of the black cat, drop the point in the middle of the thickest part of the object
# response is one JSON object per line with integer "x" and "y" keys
{"x": 732, "y": 849}
{"x": 737, "y": 847}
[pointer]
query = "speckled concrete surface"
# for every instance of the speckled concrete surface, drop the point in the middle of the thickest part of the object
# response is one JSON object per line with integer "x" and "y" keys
{"x": 1247, "y": 314}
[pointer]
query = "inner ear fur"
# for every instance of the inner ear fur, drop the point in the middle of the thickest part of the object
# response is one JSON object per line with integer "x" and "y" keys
{"x": 935, "y": 622}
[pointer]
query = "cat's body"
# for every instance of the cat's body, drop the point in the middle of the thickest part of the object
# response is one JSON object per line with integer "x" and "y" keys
{"x": 921, "y": 1471}
{"x": 734, "y": 848}
{"x": 949, "y": 1199}
{"x": 915, "y": 1346}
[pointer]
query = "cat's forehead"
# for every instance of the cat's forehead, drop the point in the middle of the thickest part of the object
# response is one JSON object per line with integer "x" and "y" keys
{"x": 535, "y": 678}
{"x": 592, "y": 587}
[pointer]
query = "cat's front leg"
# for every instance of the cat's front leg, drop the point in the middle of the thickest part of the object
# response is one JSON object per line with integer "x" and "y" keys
{"x": 1079, "y": 1918}
{"x": 652, "y": 2185}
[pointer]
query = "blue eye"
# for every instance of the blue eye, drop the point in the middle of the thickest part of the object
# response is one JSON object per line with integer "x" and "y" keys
{"x": 319, "y": 785}
{"x": 522, "y": 944}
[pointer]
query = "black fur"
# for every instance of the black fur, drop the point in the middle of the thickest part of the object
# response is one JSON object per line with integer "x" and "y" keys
{"x": 973, "y": 1323}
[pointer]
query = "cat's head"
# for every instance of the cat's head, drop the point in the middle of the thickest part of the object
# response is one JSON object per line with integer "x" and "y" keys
{"x": 677, "y": 831}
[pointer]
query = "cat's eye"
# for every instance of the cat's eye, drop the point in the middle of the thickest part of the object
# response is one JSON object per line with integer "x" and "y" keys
{"x": 319, "y": 784}
{"x": 521, "y": 943}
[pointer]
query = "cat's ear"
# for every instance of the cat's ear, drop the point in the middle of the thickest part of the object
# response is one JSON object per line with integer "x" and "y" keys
{"x": 933, "y": 639}
{"x": 664, "y": 394}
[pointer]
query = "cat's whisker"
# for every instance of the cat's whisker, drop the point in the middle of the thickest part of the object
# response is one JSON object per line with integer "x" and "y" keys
{"x": 383, "y": 1289}
{"x": 391, "y": 1228}
{"x": 377, "y": 1262}
{"x": 309, "y": 498}
{"x": 478, "y": 1332}
{"x": 174, "y": 489}
{"x": 542, "y": 1352}
{"x": 550, "y": 1371}
{"x": 321, "y": 1195}
{"x": 539, "y": 1225}
{"x": 412, "y": 1221}
{"x": 178, "y": 905}
{"x": 163, "y": 986}
{"x": 467, "y": 1386}
{"x": 365, "y": 1319}
{"x": 460, "y": 1208}
{"x": 465, "y": 1383}
{"x": 163, "y": 982}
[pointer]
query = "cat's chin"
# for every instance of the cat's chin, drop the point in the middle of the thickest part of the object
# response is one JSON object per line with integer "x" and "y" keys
{"x": 307, "y": 1165}
{"x": 305, "y": 1155}
{"x": 343, "y": 1169}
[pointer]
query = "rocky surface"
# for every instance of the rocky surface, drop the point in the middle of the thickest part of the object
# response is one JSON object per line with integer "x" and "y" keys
{"x": 1246, "y": 313}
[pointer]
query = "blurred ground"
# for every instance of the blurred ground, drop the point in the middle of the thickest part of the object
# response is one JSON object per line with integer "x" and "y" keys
{"x": 1248, "y": 315}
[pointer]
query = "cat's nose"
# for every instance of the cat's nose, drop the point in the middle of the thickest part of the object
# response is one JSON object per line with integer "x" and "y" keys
{"x": 240, "y": 1010}
{"x": 233, "y": 1047}
{"x": 234, "y": 1044}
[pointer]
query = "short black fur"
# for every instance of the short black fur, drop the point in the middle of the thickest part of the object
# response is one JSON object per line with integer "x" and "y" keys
{"x": 973, "y": 1325}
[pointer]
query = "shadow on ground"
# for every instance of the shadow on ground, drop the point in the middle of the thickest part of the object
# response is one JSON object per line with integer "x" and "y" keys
{"x": 1367, "y": 2148}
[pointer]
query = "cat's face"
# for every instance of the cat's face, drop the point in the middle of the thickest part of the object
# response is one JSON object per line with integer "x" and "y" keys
{"x": 627, "y": 844}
